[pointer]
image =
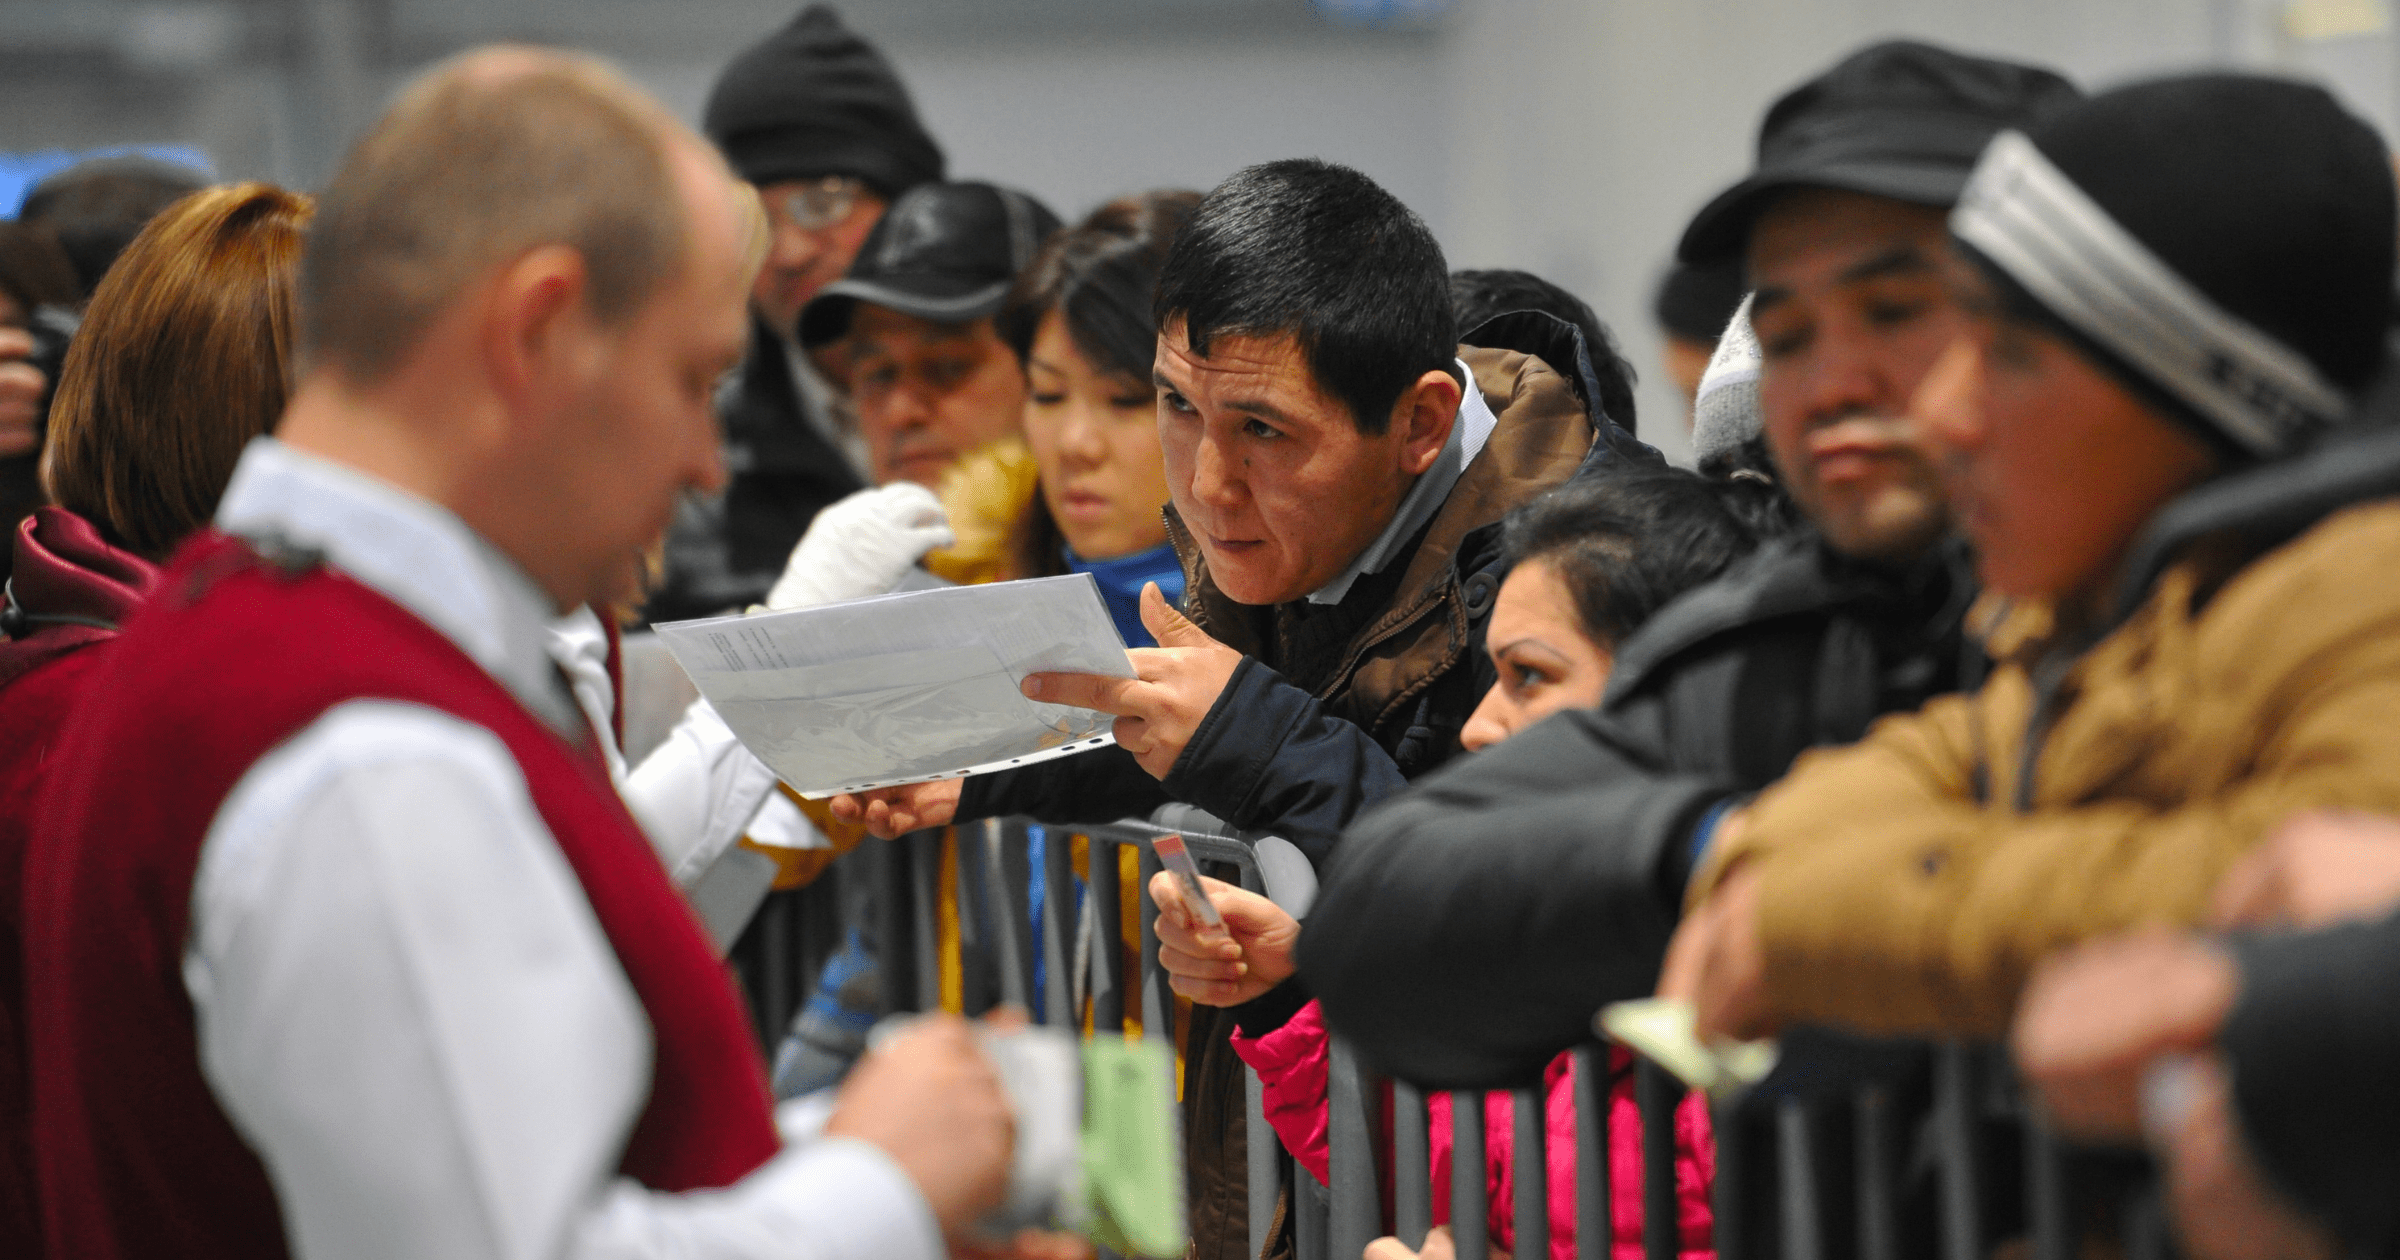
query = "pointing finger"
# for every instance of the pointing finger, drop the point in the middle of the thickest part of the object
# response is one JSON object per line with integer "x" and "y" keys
{"x": 1088, "y": 691}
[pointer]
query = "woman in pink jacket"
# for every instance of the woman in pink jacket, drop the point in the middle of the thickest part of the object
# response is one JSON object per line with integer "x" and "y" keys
{"x": 1588, "y": 563}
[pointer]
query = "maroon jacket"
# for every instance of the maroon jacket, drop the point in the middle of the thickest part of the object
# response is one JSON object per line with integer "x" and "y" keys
{"x": 69, "y": 590}
{"x": 236, "y": 655}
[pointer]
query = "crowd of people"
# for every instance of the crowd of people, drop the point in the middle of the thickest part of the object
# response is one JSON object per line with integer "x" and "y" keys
{"x": 2009, "y": 671}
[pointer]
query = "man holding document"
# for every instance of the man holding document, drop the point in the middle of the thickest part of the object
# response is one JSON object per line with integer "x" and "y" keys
{"x": 1336, "y": 489}
{"x": 393, "y": 968}
{"x": 1336, "y": 493}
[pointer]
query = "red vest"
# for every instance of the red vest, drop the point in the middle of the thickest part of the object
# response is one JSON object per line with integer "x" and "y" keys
{"x": 234, "y": 656}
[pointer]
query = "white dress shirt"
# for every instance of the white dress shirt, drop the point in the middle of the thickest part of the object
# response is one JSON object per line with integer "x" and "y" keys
{"x": 403, "y": 999}
{"x": 699, "y": 790}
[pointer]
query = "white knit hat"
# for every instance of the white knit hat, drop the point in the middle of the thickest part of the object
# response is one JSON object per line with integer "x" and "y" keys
{"x": 1725, "y": 407}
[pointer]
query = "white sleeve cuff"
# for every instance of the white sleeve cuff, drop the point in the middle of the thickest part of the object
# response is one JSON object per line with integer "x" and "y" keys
{"x": 836, "y": 1199}
{"x": 779, "y": 824}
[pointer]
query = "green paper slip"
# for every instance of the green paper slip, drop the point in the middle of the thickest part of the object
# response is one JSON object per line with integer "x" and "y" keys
{"x": 1132, "y": 1161}
{"x": 1661, "y": 1030}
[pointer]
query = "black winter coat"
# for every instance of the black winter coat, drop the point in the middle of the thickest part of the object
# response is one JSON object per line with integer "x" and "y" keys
{"x": 723, "y": 553}
{"x": 1469, "y": 930}
{"x": 2311, "y": 1043}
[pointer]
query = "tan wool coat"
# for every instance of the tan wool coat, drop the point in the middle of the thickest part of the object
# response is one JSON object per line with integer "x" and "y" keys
{"x": 1910, "y": 882}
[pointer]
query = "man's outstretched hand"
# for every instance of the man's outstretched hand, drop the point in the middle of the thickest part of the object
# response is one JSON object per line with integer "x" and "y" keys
{"x": 1159, "y": 709}
{"x": 2095, "y": 1016}
{"x": 892, "y": 812}
{"x": 1257, "y": 950}
{"x": 2317, "y": 869}
{"x": 1716, "y": 963}
{"x": 931, "y": 1099}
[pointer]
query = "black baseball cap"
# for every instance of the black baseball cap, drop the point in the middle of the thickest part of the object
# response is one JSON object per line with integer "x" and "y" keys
{"x": 943, "y": 252}
{"x": 1901, "y": 119}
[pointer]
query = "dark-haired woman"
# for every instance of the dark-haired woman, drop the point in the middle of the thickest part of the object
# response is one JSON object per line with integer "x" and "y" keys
{"x": 183, "y": 358}
{"x": 1588, "y": 563}
{"x": 1085, "y": 490}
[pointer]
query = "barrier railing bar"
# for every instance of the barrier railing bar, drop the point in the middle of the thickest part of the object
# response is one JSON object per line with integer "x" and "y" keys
{"x": 2046, "y": 1193}
{"x": 1058, "y": 930}
{"x": 1529, "y": 1164}
{"x": 1108, "y": 952}
{"x": 1310, "y": 1222}
{"x": 1261, "y": 1149}
{"x": 1356, "y": 1215}
{"x": 2145, "y": 1226}
{"x": 1412, "y": 1167}
{"x": 1158, "y": 1001}
{"x": 895, "y": 956}
{"x": 1954, "y": 1129}
{"x": 1656, "y": 1093}
{"x": 979, "y": 983}
{"x": 925, "y": 904}
{"x": 1469, "y": 1209}
{"x": 1802, "y": 1229}
{"x": 1728, "y": 1226}
{"x": 777, "y": 948}
{"x": 1878, "y": 1187}
{"x": 1595, "y": 1223}
{"x": 1010, "y": 867}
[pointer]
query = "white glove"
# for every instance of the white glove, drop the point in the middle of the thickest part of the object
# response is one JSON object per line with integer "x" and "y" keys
{"x": 862, "y": 546}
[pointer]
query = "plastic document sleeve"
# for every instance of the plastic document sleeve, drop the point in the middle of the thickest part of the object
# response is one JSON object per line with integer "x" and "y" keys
{"x": 894, "y": 689}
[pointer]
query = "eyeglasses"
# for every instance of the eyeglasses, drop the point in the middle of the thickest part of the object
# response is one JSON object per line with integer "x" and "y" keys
{"x": 819, "y": 203}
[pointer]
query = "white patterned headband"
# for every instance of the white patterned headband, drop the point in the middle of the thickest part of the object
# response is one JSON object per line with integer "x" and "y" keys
{"x": 2032, "y": 222}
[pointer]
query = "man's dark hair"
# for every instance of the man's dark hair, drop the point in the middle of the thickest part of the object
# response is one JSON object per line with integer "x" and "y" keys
{"x": 1695, "y": 301}
{"x": 1476, "y": 296}
{"x": 1318, "y": 252}
{"x": 96, "y": 208}
{"x": 1625, "y": 543}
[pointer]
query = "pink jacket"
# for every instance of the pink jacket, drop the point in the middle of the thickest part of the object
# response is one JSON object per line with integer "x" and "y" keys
{"x": 1291, "y": 1065}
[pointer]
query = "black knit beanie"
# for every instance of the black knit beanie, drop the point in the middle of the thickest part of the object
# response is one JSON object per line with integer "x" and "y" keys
{"x": 2224, "y": 241}
{"x": 813, "y": 100}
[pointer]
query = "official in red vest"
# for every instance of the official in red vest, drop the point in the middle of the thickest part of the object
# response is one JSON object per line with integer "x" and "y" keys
{"x": 339, "y": 942}
{"x": 183, "y": 357}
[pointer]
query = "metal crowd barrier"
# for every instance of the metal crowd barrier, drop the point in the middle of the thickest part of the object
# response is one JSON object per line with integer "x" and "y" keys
{"x": 1802, "y": 1177}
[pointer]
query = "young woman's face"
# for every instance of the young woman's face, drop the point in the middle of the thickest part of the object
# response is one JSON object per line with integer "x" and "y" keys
{"x": 1546, "y": 661}
{"x": 1094, "y": 436}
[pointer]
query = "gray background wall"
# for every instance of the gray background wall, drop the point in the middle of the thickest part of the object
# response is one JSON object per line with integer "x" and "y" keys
{"x": 1570, "y": 137}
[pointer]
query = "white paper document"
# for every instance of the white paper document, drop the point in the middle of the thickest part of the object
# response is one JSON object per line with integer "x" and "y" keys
{"x": 903, "y": 688}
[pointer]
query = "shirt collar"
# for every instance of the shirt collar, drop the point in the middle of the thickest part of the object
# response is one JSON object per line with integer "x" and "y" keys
{"x": 1468, "y": 434}
{"x": 414, "y": 553}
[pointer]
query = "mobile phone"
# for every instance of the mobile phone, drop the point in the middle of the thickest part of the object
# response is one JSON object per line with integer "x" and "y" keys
{"x": 1175, "y": 857}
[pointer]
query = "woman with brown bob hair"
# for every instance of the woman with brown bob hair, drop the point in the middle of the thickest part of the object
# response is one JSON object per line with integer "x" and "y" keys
{"x": 183, "y": 357}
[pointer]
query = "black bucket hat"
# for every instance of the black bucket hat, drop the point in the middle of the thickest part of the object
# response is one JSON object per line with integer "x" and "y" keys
{"x": 943, "y": 252}
{"x": 1901, "y": 120}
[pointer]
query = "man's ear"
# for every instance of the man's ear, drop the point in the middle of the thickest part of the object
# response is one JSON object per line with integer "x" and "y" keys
{"x": 1422, "y": 417}
{"x": 536, "y": 324}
